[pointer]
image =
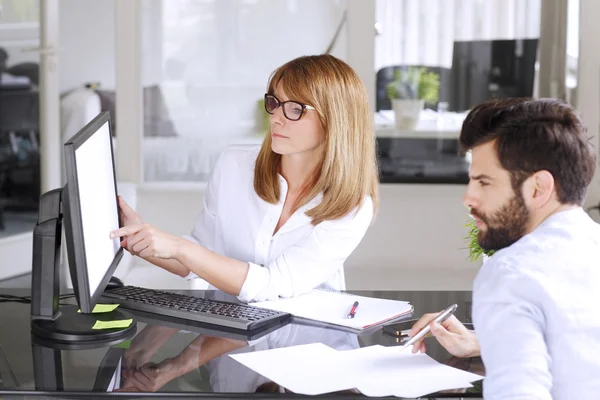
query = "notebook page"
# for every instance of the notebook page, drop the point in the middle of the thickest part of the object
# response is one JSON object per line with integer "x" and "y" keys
{"x": 333, "y": 308}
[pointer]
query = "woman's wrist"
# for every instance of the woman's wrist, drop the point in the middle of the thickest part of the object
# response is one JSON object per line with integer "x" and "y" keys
{"x": 182, "y": 250}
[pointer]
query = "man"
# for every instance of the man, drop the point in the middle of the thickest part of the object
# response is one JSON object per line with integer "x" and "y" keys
{"x": 536, "y": 301}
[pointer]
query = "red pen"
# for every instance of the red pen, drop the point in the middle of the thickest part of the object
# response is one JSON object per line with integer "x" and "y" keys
{"x": 352, "y": 312}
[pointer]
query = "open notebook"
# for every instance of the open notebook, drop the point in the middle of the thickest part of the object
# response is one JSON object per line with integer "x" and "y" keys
{"x": 332, "y": 307}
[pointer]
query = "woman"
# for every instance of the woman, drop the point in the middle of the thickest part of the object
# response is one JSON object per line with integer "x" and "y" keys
{"x": 280, "y": 220}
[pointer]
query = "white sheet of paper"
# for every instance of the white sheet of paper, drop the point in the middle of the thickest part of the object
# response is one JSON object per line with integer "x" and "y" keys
{"x": 402, "y": 373}
{"x": 308, "y": 369}
{"x": 374, "y": 370}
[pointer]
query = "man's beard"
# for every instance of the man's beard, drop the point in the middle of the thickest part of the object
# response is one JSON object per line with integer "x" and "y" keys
{"x": 505, "y": 226}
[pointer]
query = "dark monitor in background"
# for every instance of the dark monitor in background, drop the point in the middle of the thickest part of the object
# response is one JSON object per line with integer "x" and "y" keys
{"x": 88, "y": 205}
{"x": 485, "y": 69}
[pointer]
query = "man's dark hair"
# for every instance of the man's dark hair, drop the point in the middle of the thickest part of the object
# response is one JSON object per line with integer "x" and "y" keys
{"x": 534, "y": 135}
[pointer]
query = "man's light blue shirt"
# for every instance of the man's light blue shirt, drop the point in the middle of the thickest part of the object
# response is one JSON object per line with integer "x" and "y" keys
{"x": 536, "y": 311}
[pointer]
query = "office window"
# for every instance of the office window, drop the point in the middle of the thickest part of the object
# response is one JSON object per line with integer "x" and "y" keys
{"x": 205, "y": 70}
{"x": 19, "y": 22}
{"x": 437, "y": 59}
{"x": 488, "y": 41}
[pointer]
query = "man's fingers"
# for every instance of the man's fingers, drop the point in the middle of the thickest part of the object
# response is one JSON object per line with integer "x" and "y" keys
{"x": 421, "y": 323}
{"x": 417, "y": 345}
{"x": 452, "y": 324}
{"x": 446, "y": 338}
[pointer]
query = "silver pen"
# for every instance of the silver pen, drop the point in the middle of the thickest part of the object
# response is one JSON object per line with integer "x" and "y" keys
{"x": 444, "y": 315}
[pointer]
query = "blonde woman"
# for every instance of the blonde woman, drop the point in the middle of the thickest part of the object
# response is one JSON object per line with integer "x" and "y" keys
{"x": 280, "y": 219}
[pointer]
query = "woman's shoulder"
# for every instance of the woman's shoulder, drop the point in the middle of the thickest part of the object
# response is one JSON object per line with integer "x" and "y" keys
{"x": 361, "y": 216}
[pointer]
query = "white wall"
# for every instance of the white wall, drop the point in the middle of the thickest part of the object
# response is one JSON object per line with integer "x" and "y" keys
{"x": 87, "y": 36}
{"x": 87, "y": 39}
{"x": 588, "y": 90}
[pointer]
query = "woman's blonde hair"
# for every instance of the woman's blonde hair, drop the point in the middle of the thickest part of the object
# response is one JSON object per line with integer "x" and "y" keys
{"x": 348, "y": 171}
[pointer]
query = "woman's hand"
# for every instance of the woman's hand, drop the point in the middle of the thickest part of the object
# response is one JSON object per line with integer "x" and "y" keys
{"x": 145, "y": 344}
{"x": 145, "y": 241}
{"x": 128, "y": 217}
{"x": 452, "y": 335}
{"x": 128, "y": 214}
{"x": 150, "y": 377}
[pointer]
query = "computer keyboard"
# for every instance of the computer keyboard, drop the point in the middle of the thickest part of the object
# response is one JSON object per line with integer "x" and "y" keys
{"x": 214, "y": 312}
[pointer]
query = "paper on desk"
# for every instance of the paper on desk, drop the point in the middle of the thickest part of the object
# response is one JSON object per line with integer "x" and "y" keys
{"x": 313, "y": 368}
{"x": 402, "y": 374}
{"x": 374, "y": 371}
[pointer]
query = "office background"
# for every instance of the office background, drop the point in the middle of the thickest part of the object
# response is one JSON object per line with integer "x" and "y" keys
{"x": 185, "y": 77}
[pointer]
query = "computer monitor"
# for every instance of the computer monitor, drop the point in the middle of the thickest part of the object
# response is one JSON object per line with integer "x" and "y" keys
{"x": 91, "y": 210}
{"x": 88, "y": 205}
{"x": 487, "y": 69}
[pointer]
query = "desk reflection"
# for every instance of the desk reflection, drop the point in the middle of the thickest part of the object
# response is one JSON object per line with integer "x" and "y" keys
{"x": 224, "y": 373}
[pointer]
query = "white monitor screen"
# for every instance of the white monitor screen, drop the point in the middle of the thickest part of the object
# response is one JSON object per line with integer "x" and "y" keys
{"x": 99, "y": 213}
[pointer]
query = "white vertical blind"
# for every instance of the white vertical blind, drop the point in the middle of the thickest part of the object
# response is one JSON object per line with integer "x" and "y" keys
{"x": 421, "y": 32}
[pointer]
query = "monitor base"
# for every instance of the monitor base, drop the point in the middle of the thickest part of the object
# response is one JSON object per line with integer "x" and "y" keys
{"x": 71, "y": 326}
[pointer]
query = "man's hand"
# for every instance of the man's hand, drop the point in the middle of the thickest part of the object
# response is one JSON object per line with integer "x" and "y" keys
{"x": 452, "y": 335}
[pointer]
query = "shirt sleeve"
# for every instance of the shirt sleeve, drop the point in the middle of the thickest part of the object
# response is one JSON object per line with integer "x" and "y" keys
{"x": 510, "y": 323}
{"x": 312, "y": 261}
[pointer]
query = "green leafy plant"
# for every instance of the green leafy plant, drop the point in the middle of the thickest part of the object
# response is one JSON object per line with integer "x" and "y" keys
{"x": 262, "y": 115}
{"x": 414, "y": 83}
{"x": 475, "y": 250}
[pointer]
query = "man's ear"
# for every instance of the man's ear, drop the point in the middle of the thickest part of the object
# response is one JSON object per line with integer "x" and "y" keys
{"x": 540, "y": 188}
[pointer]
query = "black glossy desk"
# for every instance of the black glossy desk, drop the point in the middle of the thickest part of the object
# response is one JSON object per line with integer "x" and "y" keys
{"x": 163, "y": 350}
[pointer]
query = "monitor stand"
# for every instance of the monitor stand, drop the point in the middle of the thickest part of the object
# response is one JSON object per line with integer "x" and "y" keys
{"x": 48, "y": 319}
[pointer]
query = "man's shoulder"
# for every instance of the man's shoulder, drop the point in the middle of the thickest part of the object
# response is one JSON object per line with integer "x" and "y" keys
{"x": 521, "y": 262}
{"x": 548, "y": 244}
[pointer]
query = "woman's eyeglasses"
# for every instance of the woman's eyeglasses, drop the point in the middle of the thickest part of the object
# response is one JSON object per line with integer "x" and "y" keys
{"x": 292, "y": 110}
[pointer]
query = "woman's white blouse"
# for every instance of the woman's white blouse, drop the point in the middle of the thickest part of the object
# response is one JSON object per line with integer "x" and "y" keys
{"x": 236, "y": 223}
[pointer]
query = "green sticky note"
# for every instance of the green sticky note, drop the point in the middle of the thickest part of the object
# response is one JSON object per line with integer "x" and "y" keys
{"x": 124, "y": 323}
{"x": 125, "y": 345}
{"x": 102, "y": 308}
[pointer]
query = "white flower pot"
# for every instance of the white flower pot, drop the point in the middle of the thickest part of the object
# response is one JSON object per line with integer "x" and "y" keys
{"x": 407, "y": 113}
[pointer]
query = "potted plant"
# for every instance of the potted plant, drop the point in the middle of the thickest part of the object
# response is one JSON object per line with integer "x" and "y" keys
{"x": 411, "y": 88}
{"x": 262, "y": 118}
{"x": 475, "y": 250}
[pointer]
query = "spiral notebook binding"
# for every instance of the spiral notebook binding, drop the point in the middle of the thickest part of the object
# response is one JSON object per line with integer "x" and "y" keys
{"x": 334, "y": 291}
